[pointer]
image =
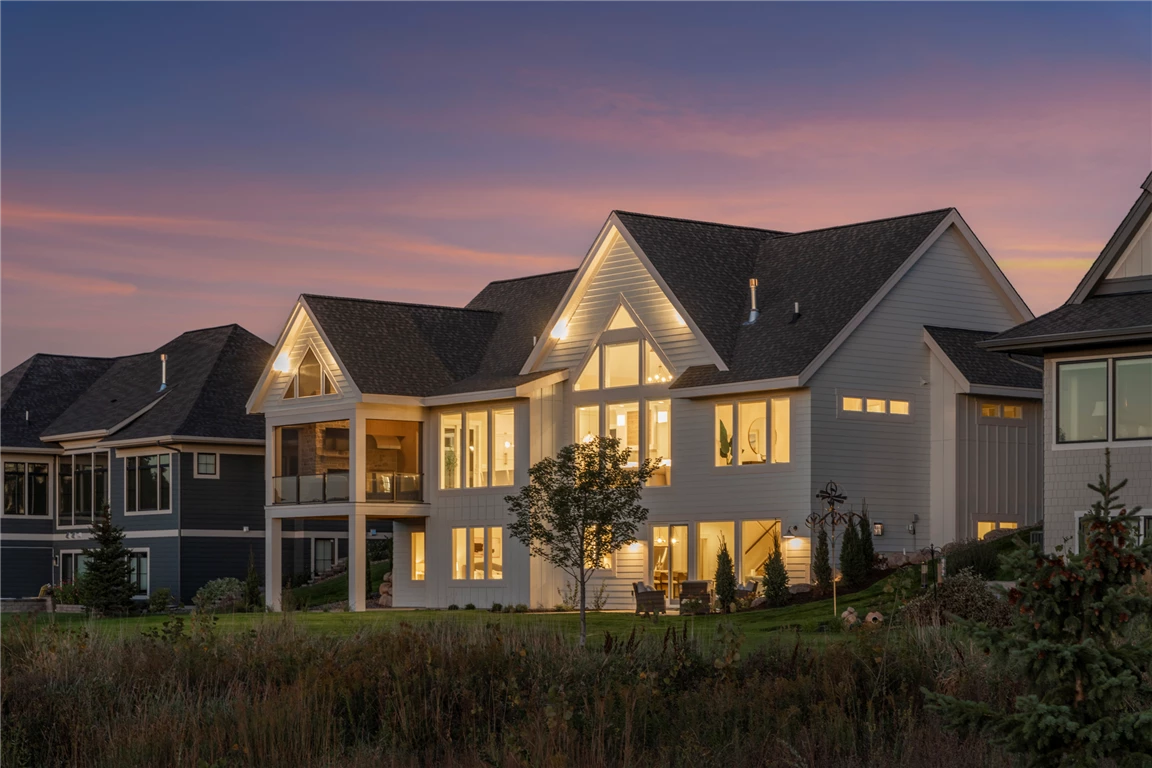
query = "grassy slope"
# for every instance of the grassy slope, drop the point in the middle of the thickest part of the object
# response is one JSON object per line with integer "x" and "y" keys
{"x": 336, "y": 590}
{"x": 758, "y": 626}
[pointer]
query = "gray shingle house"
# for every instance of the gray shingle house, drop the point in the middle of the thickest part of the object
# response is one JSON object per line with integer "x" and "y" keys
{"x": 163, "y": 439}
{"x": 1097, "y": 352}
{"x": 755, "y": 365}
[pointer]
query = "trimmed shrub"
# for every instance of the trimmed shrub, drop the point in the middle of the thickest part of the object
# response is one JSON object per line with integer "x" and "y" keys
{"x": 159, "y": 600}
{"x": 469, "y": 606}
{"x": 853, "y": 569}
{"x": 497, "y": 607}
{"x": 453, "y": 607}
{"x": 776, "y": 578}
{"x": 725, "y": 579}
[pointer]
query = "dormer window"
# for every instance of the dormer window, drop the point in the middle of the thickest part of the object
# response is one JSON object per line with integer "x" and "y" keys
{"x": 311, "y": 380}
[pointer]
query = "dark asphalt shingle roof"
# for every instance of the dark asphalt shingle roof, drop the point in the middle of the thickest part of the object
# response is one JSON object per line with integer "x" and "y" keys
{"x": 984, "y": 367}
{"x": 211, "y": 372}
{"x": 419, "y": 350}
{"x": 43, "y": 387}
{"x": 832, "y": 273}
{"x": 1097, "y": 313}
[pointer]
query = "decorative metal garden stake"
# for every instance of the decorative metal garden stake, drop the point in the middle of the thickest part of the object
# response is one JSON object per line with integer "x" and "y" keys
{"x": 832, "y": 517}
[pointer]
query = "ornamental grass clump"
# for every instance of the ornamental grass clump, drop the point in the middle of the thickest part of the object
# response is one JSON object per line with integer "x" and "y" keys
{"x": 962, "y": 596}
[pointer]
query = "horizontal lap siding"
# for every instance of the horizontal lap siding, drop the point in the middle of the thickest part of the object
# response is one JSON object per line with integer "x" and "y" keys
{"x": 229, "y": 502}
{"x": 622, "y": 272}
{"x": 888, "y": 462}
{"x": 24, "y": 568}
{"x": 204, "y": 559}
{"x": 999, "y": 475}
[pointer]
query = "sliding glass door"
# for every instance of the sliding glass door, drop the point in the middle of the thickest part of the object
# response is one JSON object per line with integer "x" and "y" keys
{"x": 669, "y": 558}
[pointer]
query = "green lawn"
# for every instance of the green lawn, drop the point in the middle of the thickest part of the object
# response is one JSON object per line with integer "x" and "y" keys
{"x": 758, "y": 626}
{"x": 336, "y": 590}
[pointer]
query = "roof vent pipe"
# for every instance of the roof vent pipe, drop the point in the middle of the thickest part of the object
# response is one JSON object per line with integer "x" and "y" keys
{"x": 163, "y": 372}
{"x": 755, "y": 313}
{"x": 795, "y": 311}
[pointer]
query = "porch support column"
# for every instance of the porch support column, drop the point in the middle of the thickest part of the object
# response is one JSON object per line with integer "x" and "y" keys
{"x": 273, "y": 527}
{"x": 357, "y": 555}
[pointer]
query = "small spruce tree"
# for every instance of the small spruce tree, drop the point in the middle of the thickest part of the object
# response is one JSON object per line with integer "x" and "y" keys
{"x": 776, "y": 578}
{"x": 866, "y": 547}
{"x": 107, "y": 581}
{"x": 1074, "y": 646}
{"x": 822, "y": 562}
{"x": 252, "y": 585}
{"x": 725, "y": 578}
{"x": 853, "y": 571}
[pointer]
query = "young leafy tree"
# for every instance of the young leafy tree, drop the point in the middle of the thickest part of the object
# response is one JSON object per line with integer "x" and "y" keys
{"x": 853, "y": 571}
{"x": 866, "y": 548}
{"x": 725, "y": 584}
{"x": 580, "y": 507}
{"x": 107, "y": 581}
{"x": 1074, "y": 645}
{"x": 822, "y": 562}
{"x": 776, "y": 575}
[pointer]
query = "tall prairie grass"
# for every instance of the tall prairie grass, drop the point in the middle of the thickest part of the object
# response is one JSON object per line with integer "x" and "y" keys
{"x": 449, "y": 694}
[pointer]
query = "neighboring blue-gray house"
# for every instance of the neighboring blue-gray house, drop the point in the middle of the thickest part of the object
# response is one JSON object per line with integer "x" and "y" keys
{"x": 163, "y": 439}
{"x": 1097, "y": 353}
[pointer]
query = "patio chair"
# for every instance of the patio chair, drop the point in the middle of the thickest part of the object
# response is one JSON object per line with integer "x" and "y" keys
{"x": 746, "y": 591}
{"x": 648, "y": 600}
{"x": 698, "y": 591}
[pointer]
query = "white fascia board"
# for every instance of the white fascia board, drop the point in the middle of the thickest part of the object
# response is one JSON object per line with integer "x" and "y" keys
{"x": 256, "y": 399}
{"x": 737, "y": 387}
{"x": 961, "y": 379}
{"x": 92, "y": 434}
{"x": 687, "y": 318}
{"x": 953, "y": 219}
{"x": 471, "y": 397}
{"x": 165, "y": 440}
{"x": 1022, "y": 392}
{"x": 408, "y": 400}
{"x": 356, "y": 393}
{"x": 575, "y": 290}
{"x": 8, "y": 450}
{"x": 341, "y": 412}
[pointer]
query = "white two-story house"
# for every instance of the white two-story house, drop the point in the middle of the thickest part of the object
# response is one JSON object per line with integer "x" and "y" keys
{"x": 1097, "y": 351}
{"x": 755, "y": 365}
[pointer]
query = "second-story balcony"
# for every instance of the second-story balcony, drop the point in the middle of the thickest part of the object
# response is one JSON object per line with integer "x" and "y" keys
{"x": 313, "y": 463}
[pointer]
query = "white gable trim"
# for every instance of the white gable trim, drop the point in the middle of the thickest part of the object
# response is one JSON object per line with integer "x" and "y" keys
{"x": 583, "y": 279}
{"x": 953, "y": 219}
{"x": 1117, "y": 244}
{"x": 291, "y": 328}
{"x": 738, "y": 387}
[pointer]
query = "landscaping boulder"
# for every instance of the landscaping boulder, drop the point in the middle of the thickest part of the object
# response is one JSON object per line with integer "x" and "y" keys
{"x": 850, "y": 618}
{"x": 759, "y": 602}
{"x": 874, "y": 618}
{"x": 800, "y": 589}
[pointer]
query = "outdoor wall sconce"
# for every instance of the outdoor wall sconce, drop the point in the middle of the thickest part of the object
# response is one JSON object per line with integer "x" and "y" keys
{"x": 877, "y": 529}
{"x": 791, "y": 532}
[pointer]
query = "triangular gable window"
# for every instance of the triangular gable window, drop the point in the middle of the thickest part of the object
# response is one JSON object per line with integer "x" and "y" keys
{"x": 311, "y": 380}
{"x": 622, "y": 319}
{"x": 590, "y": 377}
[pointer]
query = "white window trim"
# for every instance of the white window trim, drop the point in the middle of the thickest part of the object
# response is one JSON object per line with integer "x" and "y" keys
{"x": 60, "y": 567}
{"x": 766, "y": 466}
{"x": 1079, "y": 514}
{"x": 196, "y": 466}
{"x": 887, "y": 397}
{"x": 491, "y": 440}
{"x": 469, "y": 526}
{"x": 147, "y": 551}
{"x": 28, "y": 487}
{"x": 1052, "y": 373}
{"x": 1001, "y": 420}
{"x": 173, "y": 464}
{"x": 324, "y": 372}
{"x": 335, "y": 550}
{"x": 56, "y": 490}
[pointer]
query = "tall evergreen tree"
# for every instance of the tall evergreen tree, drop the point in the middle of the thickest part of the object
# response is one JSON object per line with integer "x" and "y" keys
{"x": 1073, "y": 645}
{"x": 866, "y": 547}
{"x": 822, "y": 562}
{"x": 776, "y": 578}
{"x": 853, "y": 571}
{"x": 725, "y": 583}
{"x": 107, "y": 581}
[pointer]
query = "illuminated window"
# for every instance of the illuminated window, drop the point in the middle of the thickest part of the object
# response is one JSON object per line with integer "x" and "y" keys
{"x": 655, "y": 372}
{"x": 622, "y": 364}
{"x": 495, "y": 553}
{"x": 587, "y": 423}
{"x": 1013, "y": 411}
{"x": 659, "y": 445}
{"x": 853, "y": 404}
{"x": 724, "y": 426}
{"x": 622, "y": 319}
{"x": 450, "y": 426}
{"x": 990, "y": 410}
{"x": 984, "y": 528}
{"x": 753, "y": 433}
{"x": 476, "y": 470}
{"x": 781, "y": 430}
{"x": 477, "y": 553}
{"x": 1008, "y": 526}
{"x": 418, "y": 556}
{"x": 899, "y": 407}
{"x": 590, "y": 376}
{"x": 758, "y": 542}
{"x": 624, "y": 425}
{"x": 709, "y": 537}
{"x": 311, "y": 380}
{"x": 504, "y": 446}
{"x": 459, "y": 553}
{"x": 590, "y": 545}
{"x": 875, "y": 405}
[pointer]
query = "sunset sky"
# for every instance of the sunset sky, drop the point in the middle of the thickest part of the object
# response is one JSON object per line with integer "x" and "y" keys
{"x": 174, "y": 166}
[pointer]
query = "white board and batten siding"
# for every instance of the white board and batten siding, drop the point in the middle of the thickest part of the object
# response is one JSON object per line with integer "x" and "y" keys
{"x": 1137, "y": 258}
{"x": 887, "y": 461}
{"x": 621, "y": 273}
